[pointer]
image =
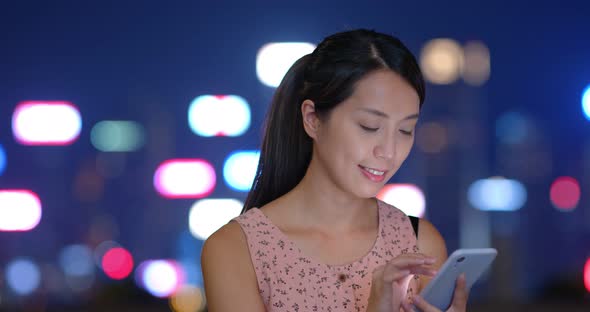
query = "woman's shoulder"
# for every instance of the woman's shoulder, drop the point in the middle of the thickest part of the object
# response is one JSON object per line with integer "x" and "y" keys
{"x": 227, "y": 241}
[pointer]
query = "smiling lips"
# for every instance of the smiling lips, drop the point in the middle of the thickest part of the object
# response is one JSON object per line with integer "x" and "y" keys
{"x": 374, "y": 175}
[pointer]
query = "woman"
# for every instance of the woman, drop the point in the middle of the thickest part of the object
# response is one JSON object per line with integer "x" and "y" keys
{"x": 312, "y": 236}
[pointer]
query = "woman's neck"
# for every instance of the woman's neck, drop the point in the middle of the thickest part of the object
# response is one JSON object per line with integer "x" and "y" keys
{"x": 320, "y": 203}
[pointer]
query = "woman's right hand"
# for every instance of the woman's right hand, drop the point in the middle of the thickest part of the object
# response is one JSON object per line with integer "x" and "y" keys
{"x": 390, "y": 281}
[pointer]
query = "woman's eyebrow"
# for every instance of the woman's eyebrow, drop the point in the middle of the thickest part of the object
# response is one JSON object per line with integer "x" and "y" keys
{"x": 374, "y": 112}
{"x": 382, "y": 114}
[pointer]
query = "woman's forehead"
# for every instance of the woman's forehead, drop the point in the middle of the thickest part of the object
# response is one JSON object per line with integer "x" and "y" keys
{"x": 383, "y": 94}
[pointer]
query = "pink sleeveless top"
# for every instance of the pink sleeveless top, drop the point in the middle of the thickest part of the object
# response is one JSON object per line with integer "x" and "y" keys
{"x": 288, "y": 280}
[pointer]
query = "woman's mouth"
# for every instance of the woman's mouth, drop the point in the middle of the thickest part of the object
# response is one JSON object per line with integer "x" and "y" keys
{"x": 374, "y": 175}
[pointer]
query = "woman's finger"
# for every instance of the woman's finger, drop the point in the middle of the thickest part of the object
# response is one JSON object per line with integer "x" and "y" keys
{"x": 461, "y": 293}
{"x": 424, "y": 306}
{"x": 407, "y": 306}
{"x": 411, "y": 259}
{"x": 423, "y": 270}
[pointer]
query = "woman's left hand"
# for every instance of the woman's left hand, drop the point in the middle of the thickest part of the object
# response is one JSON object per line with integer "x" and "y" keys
{"x": 459, "y": 303}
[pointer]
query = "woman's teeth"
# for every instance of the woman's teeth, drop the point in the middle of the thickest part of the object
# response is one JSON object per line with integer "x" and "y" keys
{"x": 373, "y": 171}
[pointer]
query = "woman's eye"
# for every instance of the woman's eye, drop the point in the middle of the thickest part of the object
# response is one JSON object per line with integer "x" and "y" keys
{"x": 405, "y": 132}
{"x": 369, "y": 129}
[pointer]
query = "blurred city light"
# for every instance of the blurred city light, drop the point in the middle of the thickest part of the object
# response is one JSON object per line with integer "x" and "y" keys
{"x": 274, "y": 60}
{"x": 185, "y": 178}
{"x": 46, "y": 123}
{"x": 408, "y": 198}
{"x": 76, "y": 260}
{"x": 23, "y": 276}
{"x": 208, "y": 215}
{"x": 101, "y": 249}
{"x": 221, "y": 115}
{"x": 2, "y": 160}
{"x": 161, "y": 278}
{"x": 441, "y": 61}
{"x": 587, "y": 275}
{"x": 432, "y": 137}
{"x": 240, "y": 169}
{"x": 586, "y": 102}
{"x": 513, "y": 128}
{"x": 497, "y": 194}
{"x": 476, "y": 69}
{"x": 117, "y": 263}
{"x": 117, "y": 136}
{"x": 187, "y": 298}
{"x": 565, "y": 193}
{"x": 20, "y": 210}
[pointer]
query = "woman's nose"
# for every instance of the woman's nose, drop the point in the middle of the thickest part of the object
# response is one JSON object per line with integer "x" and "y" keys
{"x": 385, "y": 149}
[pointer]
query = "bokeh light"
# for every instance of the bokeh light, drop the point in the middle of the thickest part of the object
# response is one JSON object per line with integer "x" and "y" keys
{"x": 432, "y": 137}
{"x": 565, "y": 193}
{"x": 497, "y": 194}
{"x": 513, "y": 128}
{"x": 101, "y": 249}
{"x": 441, "y": 61}
{"x": 117, "y": 136}
{"x": 187, "y": 298}
{"x": 274, "y": 60}
{"x": 2, "y": 159}
{"x": 221, "y": 115}
{"x": 185, "y": 178}
{"x": 586, "y": 102}
{"x": 408, "y": 198}
{"x": 117, "y": 263}
{"x": 20, "y": 210}
{"x": 587, "y": 275}
{"x": 208, "y": 215}
{"x": 46, "y": 123}
{"x": 76, "y": 260}
{"x": 161, "y": 278}
{"x": 23, "y": 276}
{"x": 476, "y": 69}
{"x": 240, "y": 168}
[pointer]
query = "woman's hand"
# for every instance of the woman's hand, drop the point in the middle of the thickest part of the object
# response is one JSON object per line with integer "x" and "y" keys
{"x": 389, "y": 282}
{"x": 459, "y": 303}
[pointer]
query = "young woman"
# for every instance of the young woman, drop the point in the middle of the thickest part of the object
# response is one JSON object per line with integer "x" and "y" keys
{"x": 312, "y": 236}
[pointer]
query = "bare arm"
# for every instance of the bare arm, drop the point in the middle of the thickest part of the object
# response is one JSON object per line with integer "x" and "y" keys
{"x": 431, "y": 243}
{"x": 229, "y": 277}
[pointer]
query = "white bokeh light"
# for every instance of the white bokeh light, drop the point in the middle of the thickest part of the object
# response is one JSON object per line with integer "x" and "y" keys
{"x": 240, "y": 168}
{"x": 407, "y": 197}
{"x": 274, "y": 60}
{"x": 222, "y": 115}
{"x": 208, "y": 215}
{"x": 185, "y": 178}
{"x": 46, "y": 123}
{"x": 161, "y": 278}
{"x": 20, "y": 210}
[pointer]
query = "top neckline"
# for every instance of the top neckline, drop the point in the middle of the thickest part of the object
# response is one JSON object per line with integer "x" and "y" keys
{"x": 352, "y": 264}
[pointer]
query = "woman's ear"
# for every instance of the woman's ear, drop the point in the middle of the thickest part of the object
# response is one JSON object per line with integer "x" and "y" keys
{"x": 311, "y": 122}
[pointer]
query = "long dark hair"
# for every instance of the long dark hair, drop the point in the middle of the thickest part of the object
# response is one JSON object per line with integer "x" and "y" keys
{"x": 327, "y": 77}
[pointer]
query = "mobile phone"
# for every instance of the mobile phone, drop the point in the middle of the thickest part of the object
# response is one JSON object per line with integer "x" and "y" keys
{"x": 473, "y": 262}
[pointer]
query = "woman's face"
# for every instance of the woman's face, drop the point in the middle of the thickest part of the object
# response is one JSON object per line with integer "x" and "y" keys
{"x": 366, "y": 138}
